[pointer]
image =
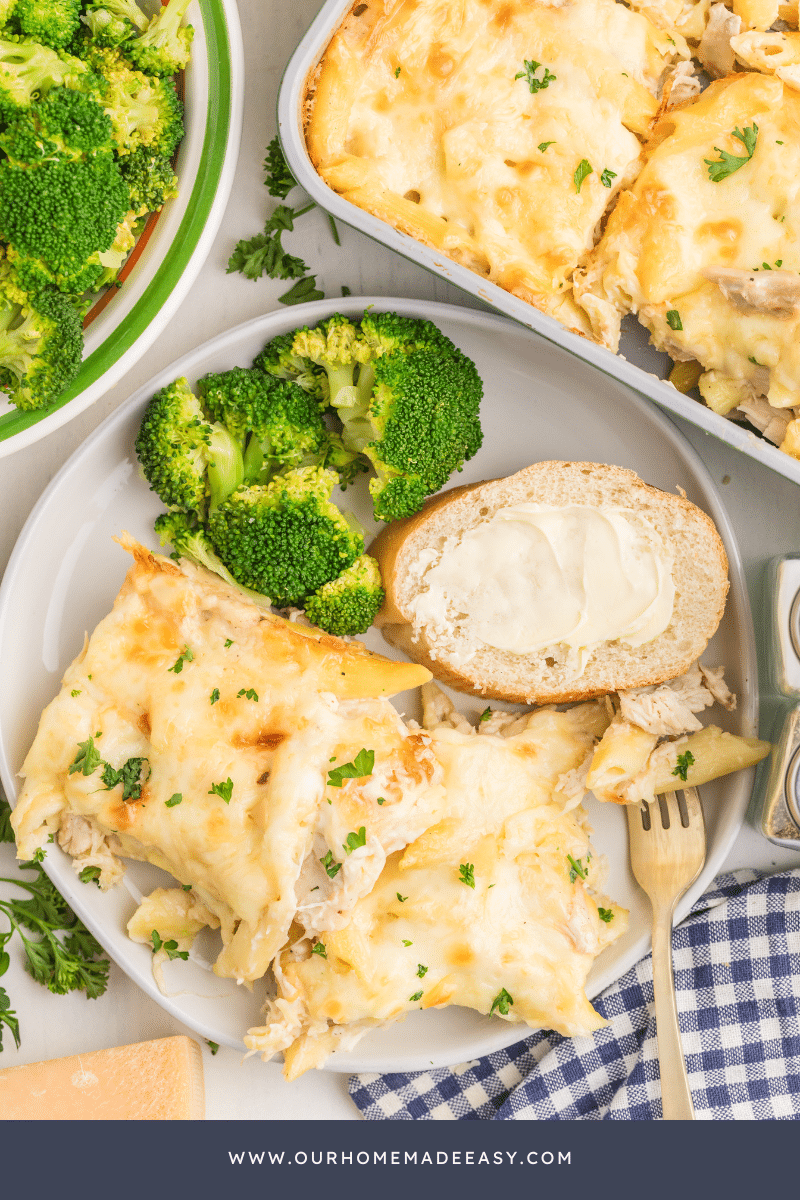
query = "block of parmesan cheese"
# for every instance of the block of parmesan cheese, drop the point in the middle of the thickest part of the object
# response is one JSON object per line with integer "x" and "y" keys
{"x": 150, "y": 1081}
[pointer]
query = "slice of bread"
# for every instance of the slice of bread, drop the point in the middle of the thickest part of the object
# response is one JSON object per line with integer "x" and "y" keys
{"x": 699, "y": 574}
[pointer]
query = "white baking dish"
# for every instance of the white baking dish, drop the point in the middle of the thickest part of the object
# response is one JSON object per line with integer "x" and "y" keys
{"x": 638, "y": 364}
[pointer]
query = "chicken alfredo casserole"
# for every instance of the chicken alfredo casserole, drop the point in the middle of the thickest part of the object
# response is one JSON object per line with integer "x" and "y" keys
{"x": 563, "y": 149}
{"x": 372, "y": 865}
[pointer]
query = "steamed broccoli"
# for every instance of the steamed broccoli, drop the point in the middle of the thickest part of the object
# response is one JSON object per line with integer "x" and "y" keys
{"x": 113, "y": 259}
{"x": 41, "y": 342}
{"x": 407, "y": 398}
{"x": 63, "y": 126}
{"x": 144, "y": 111}
{"x": 348, "y": 604}
{"x": 188, "y": 461}
{"x": 28, "y": 70}
{"x": 112, "y": 22}
{"x": 285, "y": 539}
{"x": 50, "y": 22}
{"x": 278, "y": 358}
{"x": 150, "y": 180}
{"x": 163, "y": 48}
{"x": 275, "y": 422}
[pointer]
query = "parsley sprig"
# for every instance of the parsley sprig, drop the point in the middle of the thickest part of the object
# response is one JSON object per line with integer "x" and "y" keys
{"x": 354, "y": 840}
{"x": 466, "y": 874}
{"x": 529, "y": 75}
{"x": 501, "y": 1003}
{"x": 129, "y": 775}
{"x": 360, "y": 767}
{"x": 685, "y": 761}
{"x": 264, "y": 254}
{"x": 720, "y": 168}
{"x": 60, "y": 953}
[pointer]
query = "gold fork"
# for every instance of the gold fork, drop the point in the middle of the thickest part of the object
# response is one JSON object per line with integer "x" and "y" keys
{"x": 668, "y": 849}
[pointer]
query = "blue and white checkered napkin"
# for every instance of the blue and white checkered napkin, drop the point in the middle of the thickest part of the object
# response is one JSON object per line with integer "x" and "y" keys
{"x": 737, "y": 974}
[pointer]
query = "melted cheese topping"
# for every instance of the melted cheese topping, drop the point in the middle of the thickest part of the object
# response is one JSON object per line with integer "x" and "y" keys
{"x": 724, "y": 256}
{"x": 420, "y": 116}
{"x": 425, "y": 938}
{"x": 252, "y": 772}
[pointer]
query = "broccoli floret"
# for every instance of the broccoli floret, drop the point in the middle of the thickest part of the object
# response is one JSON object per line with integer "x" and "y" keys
{"x": 172, "y": 446}
{"x": 347, "y": 463}
{"x": 143, "y": 111}
{"x": 50, "y": 22}
{"x": 6, "y": 9}
{"x": 164, "y": 47}
{"x": 27, "y": 69}
{"x": 41, "y": 342}
{"x": 150, "y": 178}
{"x": 286, "y": 538}
{"x": 112, "y": 22}
{"x": 337, "y": 346}
{"x": 113, "y": 259}
{"x": 62, "y": 214}
{"x": 421, "y": 425}
{"x": 64, "y": 126}
{"x": 348, "y": 605}
{"x": 275, "y": 422}
{"x": 278, "y": 358}
{"x": 188, "y": 461}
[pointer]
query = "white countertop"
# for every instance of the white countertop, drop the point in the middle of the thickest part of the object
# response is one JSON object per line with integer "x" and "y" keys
{"x": 764, "y": 508}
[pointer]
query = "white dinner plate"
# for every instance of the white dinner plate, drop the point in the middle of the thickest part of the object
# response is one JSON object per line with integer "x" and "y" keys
{"x": 540, "y": 403}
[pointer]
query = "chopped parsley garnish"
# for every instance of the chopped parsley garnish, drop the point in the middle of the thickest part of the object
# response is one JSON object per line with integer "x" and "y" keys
{"x": 170, "y": 947}
{"x": 89, "y": 875}
{"x": 405, "y": 943}
{"x": 607, "y": 176}
{"x": 185, "y": 655}
{"x": 543, "y": 145}
{"x": 415, "y": 997}
{"x": 213, "y": 1046}
{"x": 87, "y": 760}
{"x": 402, "y": 899}
{"x": 129, "y": 775}
{"x": 396, "y": 72}
{"x": 354, "y": 840}
{"x": 250, "y": 694}
{"x": 582, "y": 171}
{"x": 381, "y": 799}
{"x": 361, "y": 766}
{"x": 485, "y": 715}
{"x": 674, "y": 319}
{"x": 75, "y": 692}
{"x": 421, "y": 971}
{"x": 576, "y": 869}
{"x": 214, "y": 697}
{"x": 187, "y": 887}
{"x": 319, "y": 948}
{"x": 175, "y": 798}
{"x": 223, "y": 790}
{"x": 331, "y": 866}
{"x": 685, "y": 761}
{"x": 720, "y": 168}
{"x": 228, "y": 642}
{"x": 501, "y": 1002}
{"x": 754, "y": 361}
{"x": 59, "y": 950}
{"x": 605, "y": 914}
{"x": 466, "y": 874}
{"x": 529, "y": 75}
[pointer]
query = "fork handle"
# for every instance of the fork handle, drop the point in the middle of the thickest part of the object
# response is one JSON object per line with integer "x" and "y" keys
{"x": 676, "y": 1098}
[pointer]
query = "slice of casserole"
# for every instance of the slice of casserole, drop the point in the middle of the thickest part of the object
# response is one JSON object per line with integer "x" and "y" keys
{"x": 258, "y": 761}
{"x": 497, "y": 133}
{"x": 704, "y": 249}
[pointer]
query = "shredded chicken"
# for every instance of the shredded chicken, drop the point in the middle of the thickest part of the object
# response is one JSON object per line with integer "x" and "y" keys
{"x": 715, "y": 51}
{"x": 668, "y": 710}
{"x": 572, "y": 784}
{"x": 772, "y": 422}
{"x": 776, "y": 293}
{"x": 438, "y": 709}
{"x": 89, "y": 847}
{"x": 643, "y": 786}
{"x": 712, "y": 677}
{"x": 681, "y": 84}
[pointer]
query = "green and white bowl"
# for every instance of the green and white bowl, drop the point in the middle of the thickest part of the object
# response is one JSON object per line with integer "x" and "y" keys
{"x": 181, "y": 238}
